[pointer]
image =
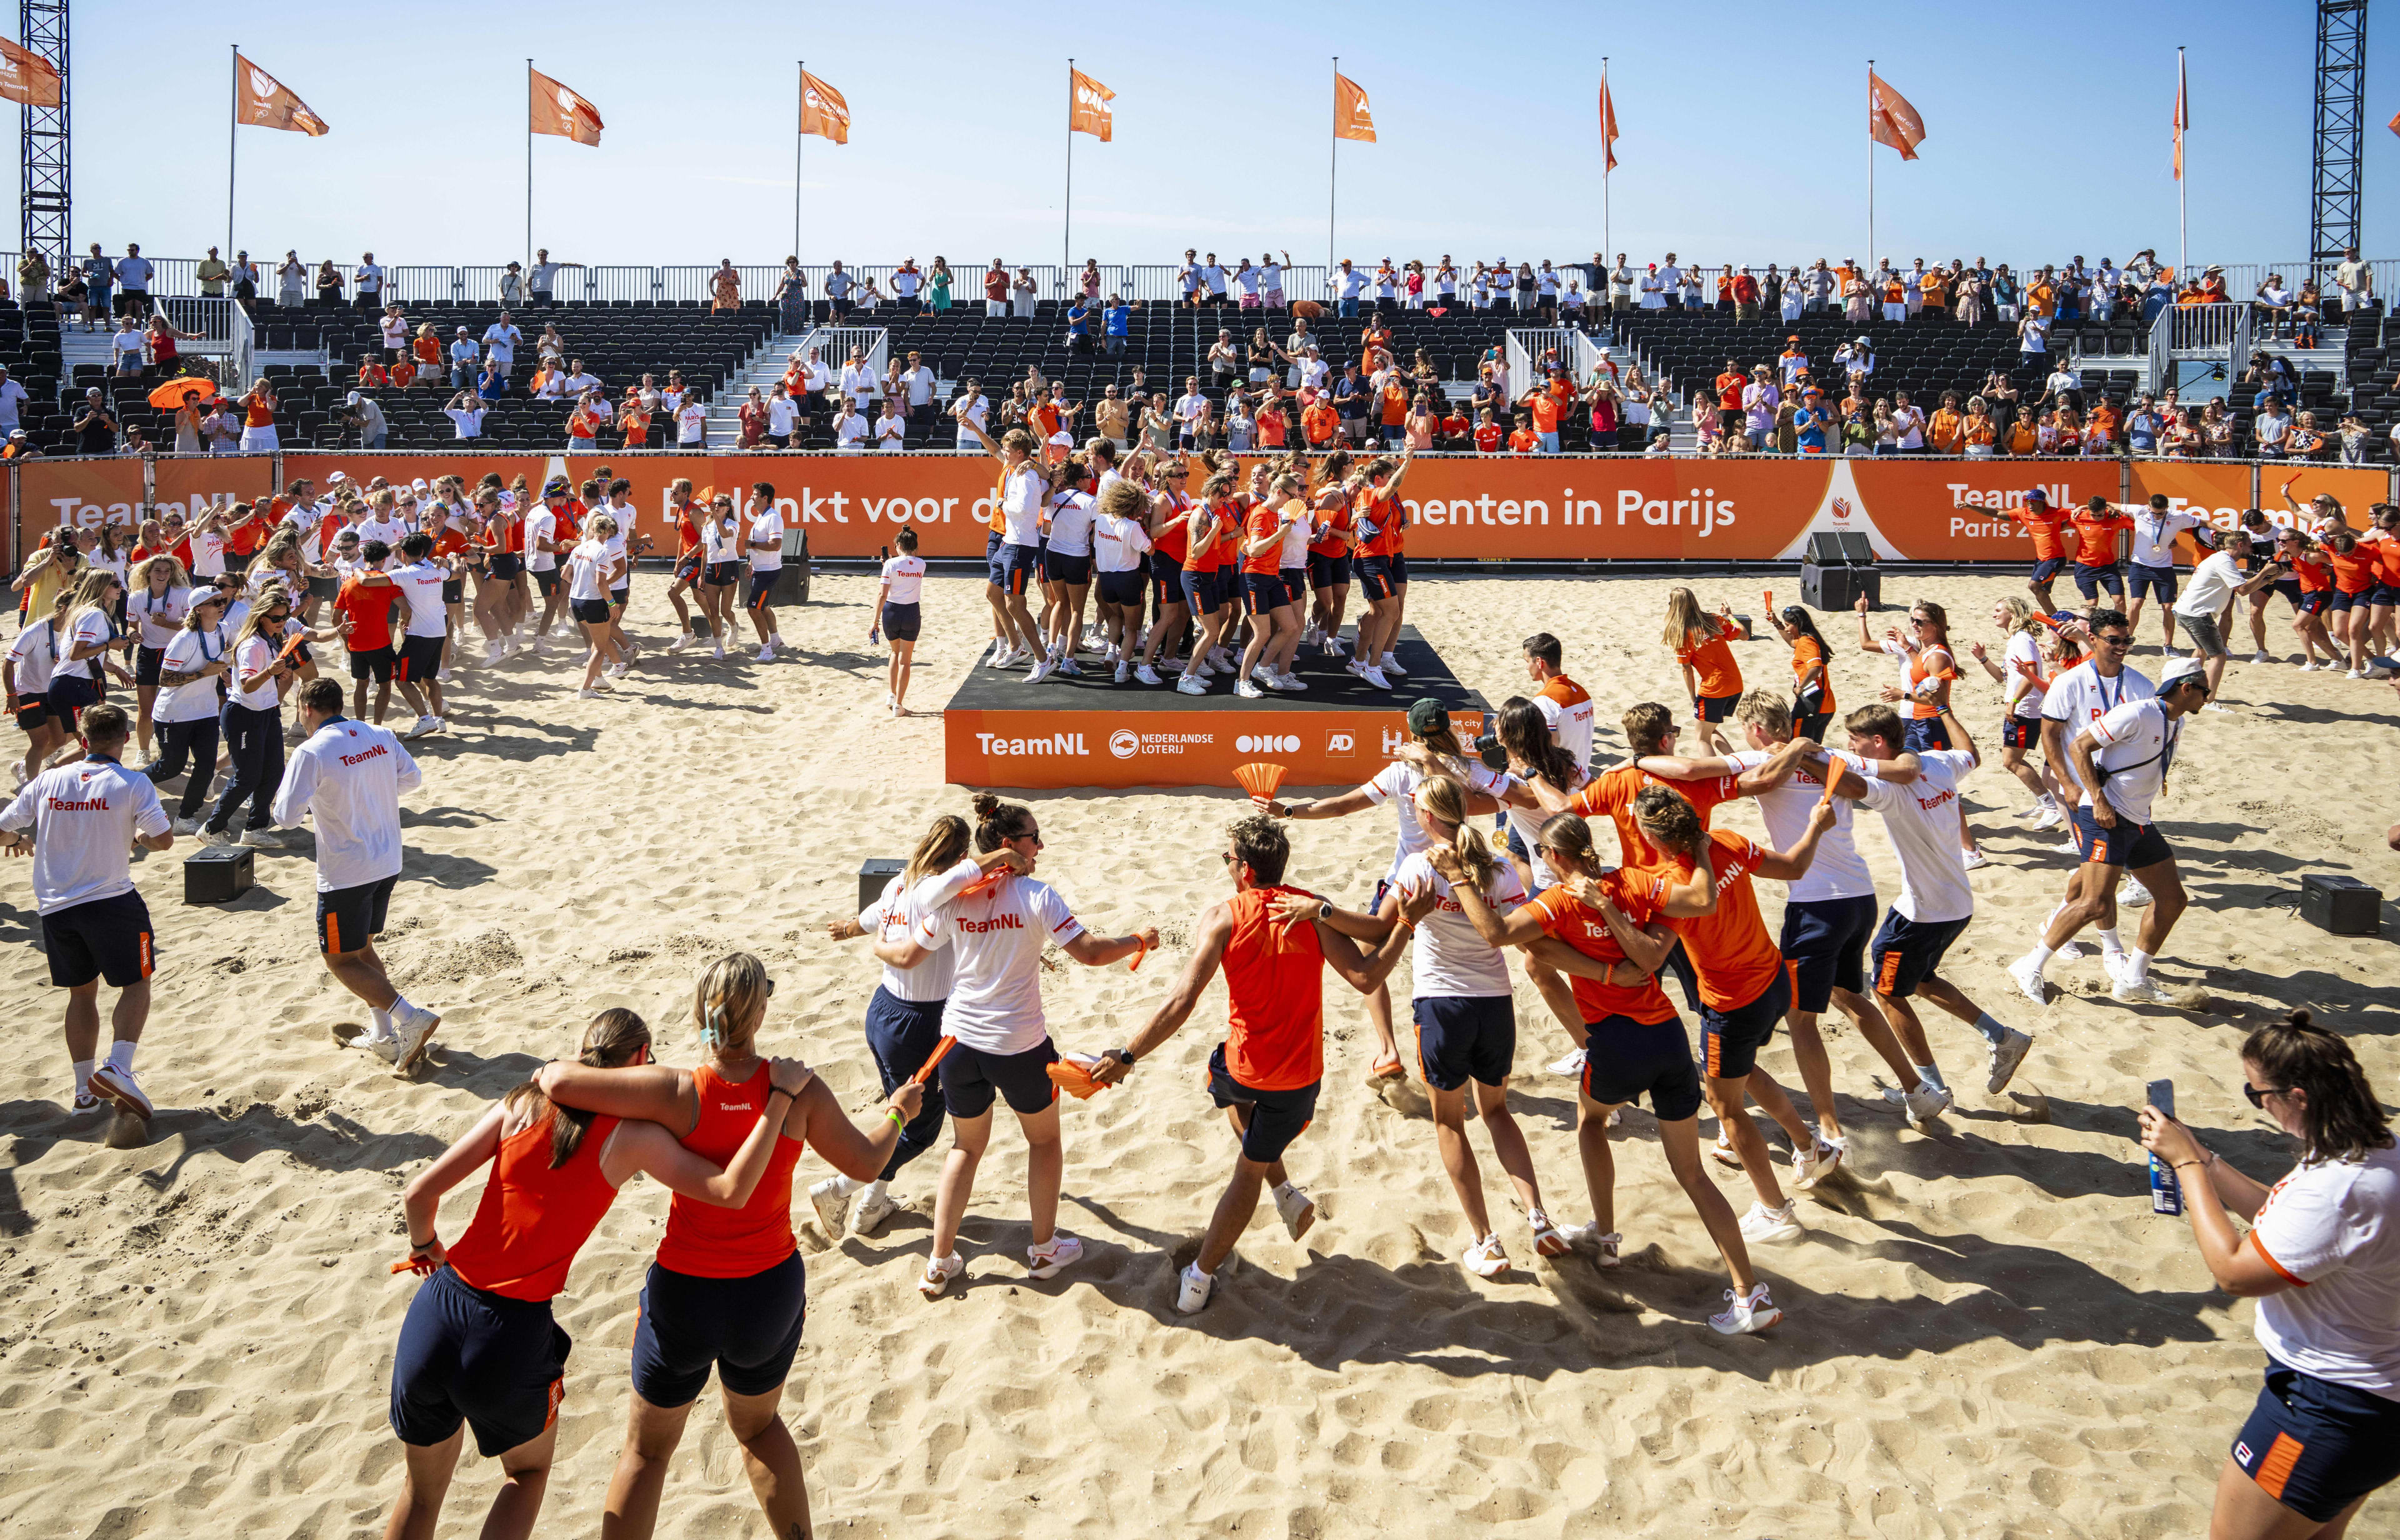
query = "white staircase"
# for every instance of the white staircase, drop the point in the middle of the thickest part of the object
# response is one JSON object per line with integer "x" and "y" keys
{"x": 762, "y": 369}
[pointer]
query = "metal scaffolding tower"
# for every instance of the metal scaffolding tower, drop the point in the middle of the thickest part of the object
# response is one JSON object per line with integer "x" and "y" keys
{"x": 2338, "y": 173}
{"x": 47, "y": 188}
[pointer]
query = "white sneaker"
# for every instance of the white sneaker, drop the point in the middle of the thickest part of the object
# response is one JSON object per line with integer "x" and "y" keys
{"x": 720, "y": 649}
{"x": 830, "y": 1198}
{"x": 1123, "y": 671}
{"x": 590, "y": 694}
{"x": 1248, "y": 690}
{"x": 1726, "y": 1155}
{"x": 1581, "y": 1235}
{"x": 1486, "y": 1258}
{"x": 1001, "y": 656}
{"x": 206, "y": 836}
{"x": 1200, "y": 669}
{"x": 2048, "y": 816}
{"x": 2262, "y": 658}
{"x": 1748, "y": 1312}
{"x": 872, "y": 1210}
{"x": 680, "y": 643}
{"x": 1146, "y": 673}
{"x": 260, "y": 840}
{"x": 2309, "y": 665}
{"x": 186, "y": 826}
{"x": 2072, "y": 952}
{"x": 1190, "y": 684}
{"x": 1571, "y": 1065}
{"x": 2356, "y": 674}
{"x": 442, "y": 676}
{"x": 1333, "y": 647}
{"x": 1047, "y": 1261}
{"x": 1763, "y": 1224}
{"x": 1068, "y": 666}
{"x": 2006, "y": 1054}
{"x": 1374, "y": 676}
{"x": 414, "y": 1027}
{"x": 2025, "y": 973}
{"x": 1974, "y": 860}
{"x": 1039, "y": 672}
{"x": 111, "y": 1083}
{"x": 433, "y": 724}
{"x": 1224, "y": 659}
{"x": 2132, "y": 991}
{"x": 1920, "y": 1106}
{"x": 1391, "y": 665}
{"x": 1821, "y": 1159}
{"x": 2132, "y": 893}
{"x": 939, "y": 1273}
{"x": 1355, "y": 666}
{"x": 766, "y": 653}
{"x": 2113, "y": 963}
{"x": 1192, "y": 1290}
{"x": 1297, "y": 1210}
{"x": 384, "y": 1048}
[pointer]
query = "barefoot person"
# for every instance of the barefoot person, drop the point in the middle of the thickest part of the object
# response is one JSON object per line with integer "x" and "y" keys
{"x": 727, "y": 1289}
{"x": 1603, "y": 928}
{"x": 80, "y": 822}
{"x": 478, "y": 1348}
{"x": 1003, "y": 1049}
{"x": 2323, "y": 1260}
{"x": 345, "y": 778}
{"x": 2120, "y": 762}
{"x": 1265, "y": 1074}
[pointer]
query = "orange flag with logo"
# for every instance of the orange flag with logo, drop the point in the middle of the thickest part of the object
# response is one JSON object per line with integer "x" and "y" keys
{"x": 557, "y": 110}
{"x": 1091, "y": 113}
{"x": 1890, "y": 120}
{"x": 26, "y": 77}
{"x": 1350, "y": 117}
{"x": 824, "y": 111}
{"x": 1607, "y": 126}
{"x": 265, "y": 102}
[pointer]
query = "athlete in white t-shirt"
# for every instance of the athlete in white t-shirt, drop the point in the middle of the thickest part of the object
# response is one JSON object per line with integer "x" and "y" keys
{"x": 2022, "y": 675}
{"x": 345, "y": 779}
{"x": 2120, "y": 763}
{"x": 2075, "y": 699}
{"x": 1002, "y": 1044}
{"x": 1066, "y": 564}
{"x": 899, "y": 617}
{"x": 763, "y": 538}
{"x": 1120, "y": 540}
{"x": 1934, "y": 905}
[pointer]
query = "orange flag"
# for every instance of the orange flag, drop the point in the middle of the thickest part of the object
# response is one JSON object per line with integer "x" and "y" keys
{"x": 824, "y": 111}
{"x": 1091, "y": 113}
{"x": 266, "y": 103}
{"x": 558, "y": 110}
{"x": 2394, "y": 124}
{"x": 2182, "y": 117}
{"x": 1607, "y": 125}
{"x": 26, "y": 77}
{"x": 1351, "y": 118}
{"x": 1890, "y": 120}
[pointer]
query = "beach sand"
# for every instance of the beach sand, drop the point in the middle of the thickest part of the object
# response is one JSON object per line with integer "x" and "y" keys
{"x": 1988, "y": 1334}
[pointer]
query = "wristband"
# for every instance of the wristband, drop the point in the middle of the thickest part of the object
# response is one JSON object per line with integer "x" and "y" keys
{"x": 415, "y": 1244}
{"x": 897, "y": 1121}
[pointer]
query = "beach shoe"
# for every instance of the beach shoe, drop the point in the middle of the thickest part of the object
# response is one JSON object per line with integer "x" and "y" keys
{"x": 1048, "y": 1262}
{"x": 1486, "y": 1258}
{"x": 1146, "y": 675}
{"x": 112, "y": 1083}
{"x": 1123, "y": 671}
{"x": 873, "y": 1210}
{"x": 1374, "y": 676}
{"x": 414, "y": 1027}
{"x": 1747, "y": 1313}
{"x": 2132, "y": 992}
{"x": 1724, "y": 1150}
{"x": 1192, "y": 1290}
{"x": 1548, "y": 1242}
{"x": 261, "y": 840}
{"x": 1391, "y": 665}
{"x": 2131, "y": 893}
{"x": 1821, "y": 1159}
{"x": 939, "y": 1273}
{"x": 1248, "y": 690}
{"x": 1974, "y": 860}
{"x": 384, "y": 1048}
{"x": 1763, "y": 1223}
{"x": 830, "y": 1198}
{"x": 2006, "y": 1054}
{"x": 1190, "y": 684}
{"x": 1388, "y": 1066}
{"x": 1068, "y": 667}
{"x": 2025, "y": 973}
{"x": 1921, "y": 1105}
{"x": 1299, "y": 1210}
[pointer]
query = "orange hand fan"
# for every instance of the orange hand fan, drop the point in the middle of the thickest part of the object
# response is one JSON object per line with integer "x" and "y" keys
{"x": 1767, "y": 598}
{"x": 1073, "y": 1076}
{"x": 925, "y": 1071}
{"x": 294, "y": 645}
{"x": 421, "y": 1266}
{"x": 1260, "y": 780}
{"x": 985, "y": 883}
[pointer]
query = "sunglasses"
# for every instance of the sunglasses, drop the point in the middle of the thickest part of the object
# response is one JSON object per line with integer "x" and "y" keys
{"x": 2259, "y": 1098}
{"x": 2119, "y": 640}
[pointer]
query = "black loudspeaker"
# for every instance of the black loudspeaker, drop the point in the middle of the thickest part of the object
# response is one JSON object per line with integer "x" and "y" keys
{"x": 1839, "y": 548}
{"x": 875, "y": 874}
{"x": 791, "y": 583}
{"x": 2342, "y": 905}
{"x": 217, "y": 874}
{"x": 1840, "y": 588}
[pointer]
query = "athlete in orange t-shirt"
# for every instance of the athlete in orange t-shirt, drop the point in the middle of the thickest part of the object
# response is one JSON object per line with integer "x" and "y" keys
{"x": 1710, "y": 676}
{"x": 2097, "y": 523}
{"x": 1383, "y": 571}
{"x": 1266, "y": 1072}
{"x": 2045, "y": 525}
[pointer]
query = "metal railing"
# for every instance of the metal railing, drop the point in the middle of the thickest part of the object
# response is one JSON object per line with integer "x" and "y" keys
{"x": 834, "y": 344}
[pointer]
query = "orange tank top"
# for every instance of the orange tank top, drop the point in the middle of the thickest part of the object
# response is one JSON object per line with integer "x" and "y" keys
{"x": 1174, "y": 537}
{"x": 1919, "y": 672}
{"x": 1275, "y": 998}
{"x": 1201, "y": 556}
{"x": 708, "y": 1241}
{"x": 534, "y": 1219}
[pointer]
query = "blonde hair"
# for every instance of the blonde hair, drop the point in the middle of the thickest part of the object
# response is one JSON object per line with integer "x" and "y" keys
{"x": 730, "y": 1004}
{"x": 176, "y": 575}
{"x": 92, "y": 593}
{"x": 944, "y": 845}
{"x": 1684, "y": 617}
{"x": 1446, "y": 799}
{"x": 592, "y": 526}
{"x": 2020, "y": 614}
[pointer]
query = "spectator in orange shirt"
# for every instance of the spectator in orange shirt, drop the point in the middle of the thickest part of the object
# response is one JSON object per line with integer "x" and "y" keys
{"x": 371, "y": 372}
{"x": 403, "y": 374}
{"x": 1524, "y": 441}
{"x": 1488, "y": 437}
{"x": 1319, "y": 422}
{"x": 1948, "y": 431}
{"x": 1543, "y": 408}
{"x": 1395, "y": 398}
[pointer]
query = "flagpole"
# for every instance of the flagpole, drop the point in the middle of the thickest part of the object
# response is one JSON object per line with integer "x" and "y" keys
{"x": 1870, "y": 266}
{"x": 799, "y": 146}
{"x": 232, "y": 141}
{"x": 1333, "y": 173}
{"x": 1607, "y": 242}
{"x": 528, "y": 245}
{"x": 1067, "y": 230}
{"x": 2183, "y": 180}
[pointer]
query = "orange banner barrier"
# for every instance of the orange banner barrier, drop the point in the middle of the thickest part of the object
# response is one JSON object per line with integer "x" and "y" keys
{"x": 1036, "y": 747}
{"x": 86, "y": 494}
{"x": 188, "y": 485}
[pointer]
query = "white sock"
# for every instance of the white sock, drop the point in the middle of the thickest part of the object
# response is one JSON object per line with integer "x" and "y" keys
{"x": 876, "y": 1189}
{"x": 2110, "y": 945}
{"x": 120, "y": 1053}
{"x": 1930, "y": 1076}
{"x": 83, "y": 1068}
{"x": 1994, "y": 1033}
{"x": 847, "y": 1185}
{"x": 2041, "y": 954}
{"x": 2137, "y": 965}
{"x": 1193, "y": 1269}
{"x": 399, "y": 1004}
{"x": 379, "y": 1024}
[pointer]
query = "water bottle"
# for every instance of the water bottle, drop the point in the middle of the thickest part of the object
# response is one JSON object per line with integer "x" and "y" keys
{"x": 2166, "y": 1192}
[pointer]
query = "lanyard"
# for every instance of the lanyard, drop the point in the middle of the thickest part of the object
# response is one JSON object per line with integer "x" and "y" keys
{"x": 2100, "y": 686}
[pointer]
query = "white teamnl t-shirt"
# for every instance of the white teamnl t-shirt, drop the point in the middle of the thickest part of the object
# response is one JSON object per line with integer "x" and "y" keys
{"x": 84, "y": 817}
{"x": 347, "y": 778}
{"x": 996, "y": 939}
{"x": 254, "y": 655}
{"x": 1020, "y": 504}
{"x": 895, "y": 918}
{"x": 1571, "y": 724}
{"x": 1118, "y": 543}
{"x": 2079, "y": 697}
{"x": 2211, "y": 586}
{"x": 541, "y": 524}
{"x": 2333, "y": 1228}
{"x": 766, "y": 524}
{"x": 1922, "y": 820}
{"x": 189, "y": 652}
{"x": 1071, "y": 524}
{"x": 158, "y": 614}
{"x": 1450, "y": 957}
{"x": 904, "y": 576}
{"x": 585, "y": 565}
{"x": 1838, "y": 870}
{"x": 1397, "y": 783}
{"x": 35, "y": 653}
{"x": 2136, "y": 745}
{"x": 420, "y": 584}
{"x": 2154, "y": 536}
{"x": 2023, "y": 695}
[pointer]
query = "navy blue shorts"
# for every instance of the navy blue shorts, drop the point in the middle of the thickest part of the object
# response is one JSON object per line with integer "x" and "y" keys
{"x": 348, "y": 919}
{"x": 1199, "y": 590}
{"x": 2317, "y": 1447}
{"x": 2021, "y": 732}
{"x": 1295, "y": 585}
{"x": 2158, "y": 582}
{"x": 1168, "y": 571}
{"x": 68, "y": 694}
{"x": 971, "y": 1078}
{"x": 1466, "y": 1037}
{"x": 2048, "y": 568}
{"x": 2386, "y": 595}
{"x": 1013, "y": 567}
{"x": 748, "y": 1330}
{"x": 902, "y": 1035}
{"x": 762, "y": 587}
{"x": 1907, "y": 952}
{"x": 1374, "y": 575}
{"x": 1811, "y": 725}
{"x": 1328, "y": 571}
{"x": 1825, "y": 941}
{"x": 1713, "y": 708}
{"x": 1623, "y": 1059}
{"x": 1276, "y": 1117}
{"x": 107, "y": 938}
{"x": 2125, "y": 843}
{"x": 2313, "y": 604}
{"x": 1730, "y": 1040}
{"x": 2342, "y": 601}
{"x": 1122, "y": 588}
{"x": 2090, "y": 581}
{"x": 2288, "y": 587}
{"x": 1265, "y": 590}
{"x": 1074, "y": 571}
{"x": 1229, "y": 586}
{"x": 466, "y": 1355}
{"x": 1923, "y": 733}
{"x": 903, "y": 622}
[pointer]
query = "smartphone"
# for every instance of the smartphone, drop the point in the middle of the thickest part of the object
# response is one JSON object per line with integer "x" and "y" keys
{"x": 2166, "y": 1192}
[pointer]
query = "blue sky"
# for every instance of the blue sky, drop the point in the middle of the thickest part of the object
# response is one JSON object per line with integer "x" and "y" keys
{"x": 1743, "y": 133}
